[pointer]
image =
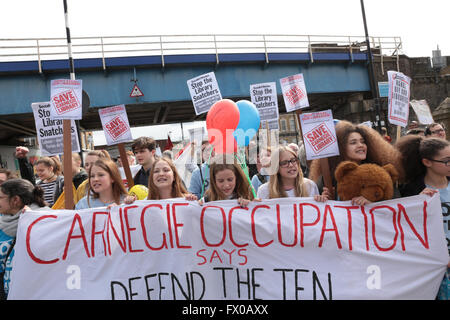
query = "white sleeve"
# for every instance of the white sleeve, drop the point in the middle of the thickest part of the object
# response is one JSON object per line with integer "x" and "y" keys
{"x": 311, "y": 187}
{"x": 263, "y": 191}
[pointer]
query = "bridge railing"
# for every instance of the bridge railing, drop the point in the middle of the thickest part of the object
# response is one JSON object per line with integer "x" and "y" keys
{"x": 41, "y": 49}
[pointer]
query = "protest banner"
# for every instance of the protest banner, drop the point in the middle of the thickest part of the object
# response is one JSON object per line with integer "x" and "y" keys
{"x": 66, "y": 99}
{"x": 117, "y": 131}
{"x": 50, "y": 131}
{"x": 289, "y": 248}
{"x": 264, "y": 97}
{"x": 204, "y": 92}
{"x": 294, "y": 92}
{"x": 398, "y": 100}
{"x": 422, "y": 111}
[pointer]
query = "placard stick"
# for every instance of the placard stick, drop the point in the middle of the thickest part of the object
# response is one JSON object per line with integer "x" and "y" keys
{"x": 398, "y": 132}
{"x": 268, "y": 133}
{"x": 324, "y": 165}
{"x": 126, "y": 165}
{"x": 67, "y": 165}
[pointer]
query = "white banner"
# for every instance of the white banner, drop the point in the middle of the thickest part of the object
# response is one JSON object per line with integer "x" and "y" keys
{"x": 66, "y": 97}
{"x": 398, "y": 100}
{"x": 290, "y": 248}
{"x": 294, "y": 92}
{"x": 204, "y": 92}
{"x": 319, "y": 134}
{"x": 115, "y": 124}
{"x": 50, "y": 132}
{"x": 264, "y": 97}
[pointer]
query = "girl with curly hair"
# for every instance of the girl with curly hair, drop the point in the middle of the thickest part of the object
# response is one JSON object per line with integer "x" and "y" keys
{"x": 361, "y": 144}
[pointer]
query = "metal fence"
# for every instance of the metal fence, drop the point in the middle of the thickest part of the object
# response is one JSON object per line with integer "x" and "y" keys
{"x": 40, "y": 49}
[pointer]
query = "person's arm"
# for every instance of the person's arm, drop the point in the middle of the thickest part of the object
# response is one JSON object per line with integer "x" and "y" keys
{"x": 25, "y": 167}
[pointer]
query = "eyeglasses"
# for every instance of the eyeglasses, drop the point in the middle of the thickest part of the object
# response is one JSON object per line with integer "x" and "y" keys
{"x": 285, "y": 163}
{"x": 446, "y": 162}
{"x": 437, "y": 131}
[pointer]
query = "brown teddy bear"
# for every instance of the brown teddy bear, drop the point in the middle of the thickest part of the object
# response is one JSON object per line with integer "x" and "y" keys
{"x": 373, "y": 182}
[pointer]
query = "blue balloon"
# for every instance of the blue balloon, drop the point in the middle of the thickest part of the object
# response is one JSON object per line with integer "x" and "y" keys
{"x": 248, "y": 125}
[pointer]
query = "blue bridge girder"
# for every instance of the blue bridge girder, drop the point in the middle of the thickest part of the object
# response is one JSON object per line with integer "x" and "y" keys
{"x": 166, "y": 95}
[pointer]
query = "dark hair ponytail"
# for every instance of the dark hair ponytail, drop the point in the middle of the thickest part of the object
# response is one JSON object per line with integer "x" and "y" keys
{"x": 25, "y": 190}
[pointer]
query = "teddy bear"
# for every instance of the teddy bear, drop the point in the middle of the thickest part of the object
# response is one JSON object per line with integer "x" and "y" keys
{"x": 373, "y": 182}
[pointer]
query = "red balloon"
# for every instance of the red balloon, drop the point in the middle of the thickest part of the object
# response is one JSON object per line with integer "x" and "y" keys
{"x": 221, "y": 121}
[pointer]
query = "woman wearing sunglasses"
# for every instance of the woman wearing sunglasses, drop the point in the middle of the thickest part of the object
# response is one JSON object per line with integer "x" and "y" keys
{"x": 286, "y": 179}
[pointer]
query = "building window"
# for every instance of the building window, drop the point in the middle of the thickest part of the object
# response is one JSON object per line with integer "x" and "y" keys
{"x": 292, "y": 125}
{"x": 283, "y": 125}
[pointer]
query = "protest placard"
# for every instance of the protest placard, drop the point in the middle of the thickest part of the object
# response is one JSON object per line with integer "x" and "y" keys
{"x": 422, "y": 111}
{"x": 289, "y": 248}
{"x": 398, "y": 100}
{"x": 204, "y": 92}
{"x": 319, "y": 134}
{"x": 66, "y": 99}
{"x": 115, "y": 124}
{"x": 264, "y": 97}
{"x": 50, "y": 131}
{"x": 294, "y": 92}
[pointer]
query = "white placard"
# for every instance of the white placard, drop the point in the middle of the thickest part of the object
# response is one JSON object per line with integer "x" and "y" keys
{"x": 66, "y": 97}
{"x": 422, "y": 111}
{"x": 288, "y": 248}
{"x": 115, "y": 124}
{"x": 319, "y": 134}
{"x": 204, "y": 92}
{"x": 398, "y": 100}
{"x": 50, "y": 132}
{"x": 294, "y": 92}
{"x": 264, "y": 97}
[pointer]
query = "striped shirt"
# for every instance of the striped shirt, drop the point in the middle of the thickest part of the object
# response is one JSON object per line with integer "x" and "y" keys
{"x": 49, "y": 192}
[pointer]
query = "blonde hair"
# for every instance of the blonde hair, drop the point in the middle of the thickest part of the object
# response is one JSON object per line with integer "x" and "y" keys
{"x": 276, "y": 189}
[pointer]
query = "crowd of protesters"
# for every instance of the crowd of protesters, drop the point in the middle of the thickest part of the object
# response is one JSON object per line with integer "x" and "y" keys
{"x": 421, "y": 157}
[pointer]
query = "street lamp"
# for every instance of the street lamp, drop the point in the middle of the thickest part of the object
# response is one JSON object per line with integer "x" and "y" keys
{"x": 373, "y": 82}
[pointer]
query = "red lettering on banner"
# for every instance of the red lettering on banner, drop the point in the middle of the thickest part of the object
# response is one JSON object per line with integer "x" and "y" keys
{"x": 28, "y": 240}
{"x": 169, "y": 224}
{"x": 349, "y": 218}
{"x": 129, "y": 229}
{"x": 243, "y": 256}
{"x": 373, "y": 228}
{"x": 324, "y": 229}
{"x": 178, "y": 225}
{"x": 302, "y": 224}
{"x": 280, "y": 238}
{"x": 144, "y": 231}
{"x": 254, "y": 227}
{"x": 122, "y": 244}
{"x": 224, "y": 224}
{"x": 93, "y": 233}
{"x": 215, "y": 255}
{"x": 200, "y": 256}
{"x": 423, "y": 240}
{"x": 82, "y": 235}
{"x": 366, "y": 228}
{"x": 230, "y": 214}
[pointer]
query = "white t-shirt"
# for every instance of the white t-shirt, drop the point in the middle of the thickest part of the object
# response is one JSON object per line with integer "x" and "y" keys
{"x": 311, "y": 190}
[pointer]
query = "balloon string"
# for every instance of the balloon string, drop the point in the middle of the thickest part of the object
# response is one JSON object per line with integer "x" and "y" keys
{"x": 245, "y": 169}
{"x": 204, "y": 176}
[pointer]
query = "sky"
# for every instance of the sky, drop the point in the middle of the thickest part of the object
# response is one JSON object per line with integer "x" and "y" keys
{"x": 422, "y": 25}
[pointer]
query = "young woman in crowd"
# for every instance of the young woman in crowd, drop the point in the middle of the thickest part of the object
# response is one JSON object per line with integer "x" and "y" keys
{"x": 262, "y": 176}
{"x": 286, "y": 179}
{"x": 50, "y": 179}
{"x": 427, "y": 171}
{"x": 105, "y": 186}
{"x": 227, "y": 181}
{"x": 164, "y": 183}
{"x": 361, "y": 144}
{"x": 16, "y": 196}
{"x": 90, "y": 159}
